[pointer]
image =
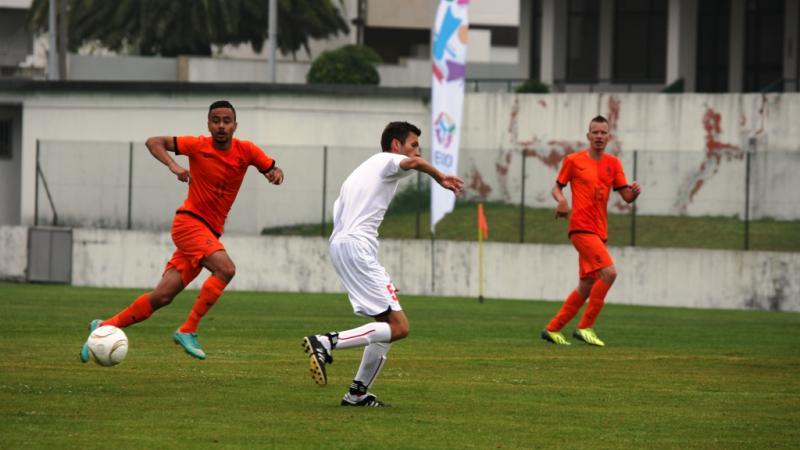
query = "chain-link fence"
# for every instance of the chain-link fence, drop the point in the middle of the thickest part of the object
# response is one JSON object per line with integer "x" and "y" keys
{"x": 722, "y": 198}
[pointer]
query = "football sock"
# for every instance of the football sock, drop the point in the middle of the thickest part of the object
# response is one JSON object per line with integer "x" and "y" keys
{"x": 356, "y": 392}
{"x": 136, "y": 312}
{"x": 364, "y": 335}
{"x": 568, "y": 310}
{"x": 209, "y": 294}
{"x": 372, "y": 362}
{"x": 329, "y": 340}
{"x": 597, "y": 299}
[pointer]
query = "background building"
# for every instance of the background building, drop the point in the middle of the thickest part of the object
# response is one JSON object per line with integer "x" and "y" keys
{"x": 572, "y": 45}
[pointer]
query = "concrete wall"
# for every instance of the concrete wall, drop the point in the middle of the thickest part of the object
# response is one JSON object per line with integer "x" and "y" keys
{"x": 14, "y": 251}
{"x": 656, "y": 277}
{"x": 10, "y": 167}
{"x": 692, "y": 148}
{"x": 112, "y": 67}
{"x": 286, "y": 124}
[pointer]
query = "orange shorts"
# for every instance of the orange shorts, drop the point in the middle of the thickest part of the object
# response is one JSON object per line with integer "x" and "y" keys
{"x": 194, "y": 241}
{"x": 592, "y": 254}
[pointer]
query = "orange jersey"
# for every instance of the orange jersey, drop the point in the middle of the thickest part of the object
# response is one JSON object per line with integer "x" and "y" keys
{"x": 216, "y": 176}
{"x": 591, "y": 182}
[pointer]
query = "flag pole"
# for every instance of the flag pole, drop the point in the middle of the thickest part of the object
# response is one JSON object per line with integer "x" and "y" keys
{"x": 433, "y": 263}
{"x": 480, "y": 256}
{"x": 480, "y": 265}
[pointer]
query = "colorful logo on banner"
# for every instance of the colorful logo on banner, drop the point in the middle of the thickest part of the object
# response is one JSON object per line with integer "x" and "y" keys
{"x": 447, "y": 66}
{"x": 449, "y": 56}
{"x": 445, "y": 127}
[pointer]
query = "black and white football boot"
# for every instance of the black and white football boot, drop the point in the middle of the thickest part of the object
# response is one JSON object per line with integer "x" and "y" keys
{"x": 358, "y": 396}
{"x": 318, "y": 357}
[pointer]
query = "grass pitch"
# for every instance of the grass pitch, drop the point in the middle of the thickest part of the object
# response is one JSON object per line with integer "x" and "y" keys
{"x": 469, "y": 376}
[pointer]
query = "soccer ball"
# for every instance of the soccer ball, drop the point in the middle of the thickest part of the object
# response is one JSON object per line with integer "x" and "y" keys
{"x": 108, "y": 345}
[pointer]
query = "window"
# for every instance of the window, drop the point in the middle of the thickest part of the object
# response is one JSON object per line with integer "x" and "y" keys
{"x": 500, "y": 36}
{"x": 5, "y": 139}
{"x": 583, "y": 44}
{"x": 640, "y": 41}
{"x": 713, "y": 27}
{"x": 763, "y": 60}
{"x": 392, "y": 44}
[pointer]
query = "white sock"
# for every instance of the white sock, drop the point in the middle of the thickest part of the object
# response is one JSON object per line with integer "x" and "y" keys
{"x": 372, "y": 362}
{"x": 365, "y": 335}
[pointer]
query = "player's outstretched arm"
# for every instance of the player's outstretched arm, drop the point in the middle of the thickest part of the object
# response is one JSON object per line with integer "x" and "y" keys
{"x": 274, "y": 176}
{"x": 562, "y": 208}
{"x": 630, "y": 193}
{"x": 449, "y": 182}
{"x": 158, "y": 146}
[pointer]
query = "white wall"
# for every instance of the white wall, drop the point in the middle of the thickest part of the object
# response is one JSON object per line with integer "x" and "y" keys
{"x": 711, "y": 132}
{"x": 10, "y": 167}
{"x": 310, "y": 121}
{"x": 14, "y": 251}
{"x": 657, "y": 277}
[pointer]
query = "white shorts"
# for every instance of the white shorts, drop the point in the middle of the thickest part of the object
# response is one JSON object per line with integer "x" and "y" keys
{"x": 368, "y": 285}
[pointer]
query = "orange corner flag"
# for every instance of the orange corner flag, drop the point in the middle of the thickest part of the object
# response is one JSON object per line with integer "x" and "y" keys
{"x": 482, "y": 225}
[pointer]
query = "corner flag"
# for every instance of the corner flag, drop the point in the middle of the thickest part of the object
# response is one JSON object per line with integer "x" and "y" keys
{"x": 483, "y": 227}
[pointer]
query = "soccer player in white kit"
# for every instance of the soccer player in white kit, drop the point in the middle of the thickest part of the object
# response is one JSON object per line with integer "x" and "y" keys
{"x": 357, "y": 214}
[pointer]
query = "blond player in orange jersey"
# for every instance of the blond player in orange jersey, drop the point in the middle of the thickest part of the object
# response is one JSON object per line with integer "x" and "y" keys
{"x": 217, "y": 165}
{"x": 591, "y": 174}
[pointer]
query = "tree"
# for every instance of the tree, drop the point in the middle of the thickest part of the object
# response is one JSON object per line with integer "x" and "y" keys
{"x": 191, "y": 27}
{"x": 351, "y": 64}
{"x": 533, "y": 87}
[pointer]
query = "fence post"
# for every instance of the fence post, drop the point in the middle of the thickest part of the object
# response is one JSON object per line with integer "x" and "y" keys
{"x": 36, "y": 189}
{"x": 747, "y": 197}
{"x": 633, "y": 209}
{"x": 419, "y": 204}
{"x": 522, "y": 201}
{"x": 324, "y": 186}
{"x": 130, "y": 182}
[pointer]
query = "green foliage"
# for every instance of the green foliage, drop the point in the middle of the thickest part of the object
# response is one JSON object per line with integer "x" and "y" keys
{"x": 533, "y": 87}
{"x": 351, "y": 64}
{"x": 411, "y": 199}
{"x": 668, "y": 377}
{"x": 191, "y": 27}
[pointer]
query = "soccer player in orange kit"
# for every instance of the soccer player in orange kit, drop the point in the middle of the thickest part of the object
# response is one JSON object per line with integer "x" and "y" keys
{"x": 591, "y": 174}
{"x": 217, "y": 165}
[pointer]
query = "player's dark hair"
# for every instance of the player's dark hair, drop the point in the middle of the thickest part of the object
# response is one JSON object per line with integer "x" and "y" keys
{"x": 598, "y": 119}
{"x": 222, "y": 104}
{"x": 399, "y": 131}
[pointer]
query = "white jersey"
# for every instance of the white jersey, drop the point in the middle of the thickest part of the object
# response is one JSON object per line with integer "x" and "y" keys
{"x": 365, "y": 196}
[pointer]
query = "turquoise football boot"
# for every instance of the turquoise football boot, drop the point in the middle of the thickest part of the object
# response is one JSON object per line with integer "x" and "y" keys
{"x": 85, "y": 349}
{"x": 189, "y": 343}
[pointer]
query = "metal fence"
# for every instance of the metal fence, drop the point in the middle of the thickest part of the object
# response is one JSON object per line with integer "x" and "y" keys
{"x": 729, "y": 195}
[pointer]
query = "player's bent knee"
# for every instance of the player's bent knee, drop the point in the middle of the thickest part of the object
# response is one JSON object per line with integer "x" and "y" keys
{"x": 609, "y": 274}
{"x": 400, "y": 332}
{"x": 226, "y": 273}
{"x": 159, "y": 300}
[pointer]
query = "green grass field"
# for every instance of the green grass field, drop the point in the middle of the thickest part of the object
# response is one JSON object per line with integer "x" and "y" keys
{"x": 541, "y": 227}
{"x": 470, "y": 376}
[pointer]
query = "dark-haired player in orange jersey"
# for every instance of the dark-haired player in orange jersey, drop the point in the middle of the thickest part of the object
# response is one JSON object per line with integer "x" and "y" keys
{"x": 591, "y": 174}
{"x": 217, "y": 165}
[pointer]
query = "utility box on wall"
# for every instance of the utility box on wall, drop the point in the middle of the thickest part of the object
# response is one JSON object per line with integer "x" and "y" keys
{"x": 50, "y": 255}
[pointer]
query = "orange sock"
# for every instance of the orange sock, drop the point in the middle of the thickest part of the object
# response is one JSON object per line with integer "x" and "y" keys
{"x": 597, "y": 299}
{"x": 568, "y": 310}
{"x": 209, "y": 294}
{"x": 136, "y": 312}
